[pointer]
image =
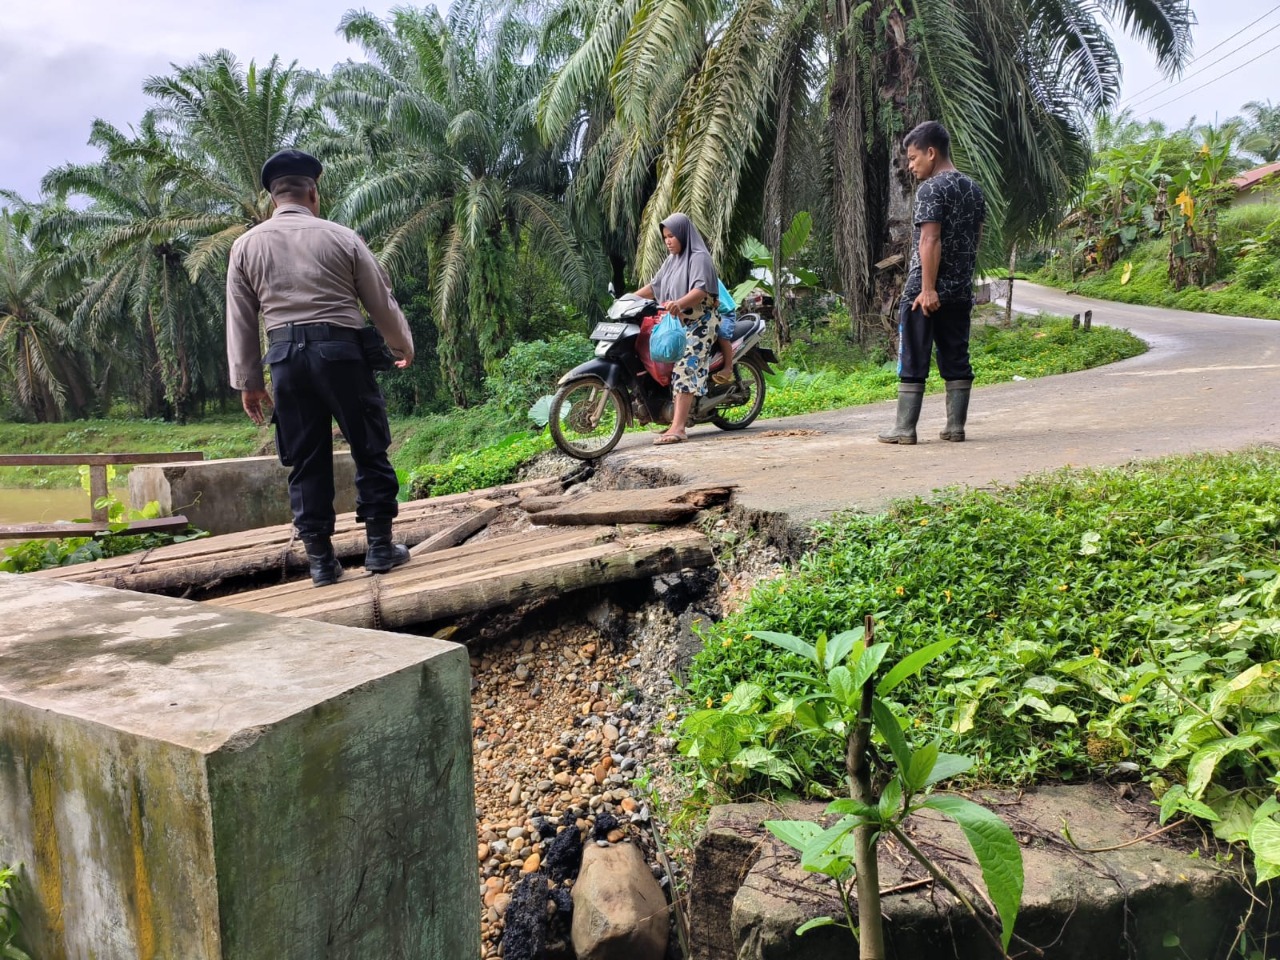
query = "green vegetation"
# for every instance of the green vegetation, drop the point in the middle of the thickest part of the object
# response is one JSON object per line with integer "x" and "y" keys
{"x": 10, "y": 922}
{"x": 1093, "y": 617}
{"x": 1249, "y": 270}
{"x": 830, "y": 372}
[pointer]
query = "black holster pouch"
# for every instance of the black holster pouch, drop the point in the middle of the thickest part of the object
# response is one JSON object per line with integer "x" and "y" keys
{"x": 376, "y": 352}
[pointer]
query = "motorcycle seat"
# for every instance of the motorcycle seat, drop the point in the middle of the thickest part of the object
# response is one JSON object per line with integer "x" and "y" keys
{"x": 746, "y": 325}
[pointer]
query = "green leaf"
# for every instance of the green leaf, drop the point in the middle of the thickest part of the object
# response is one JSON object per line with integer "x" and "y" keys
{"x": 842, "y": 686}
{"x": 787, "y": 642}
{"x": 856, "y": 808}
{"x": 890, "y": 804}
{"x": 797, "y": 834}
{"x": 1171, "y": 940}
{"x": 997, "y": 851}
{"x": 922, "y": 763}
{"x": 1264, "y": 841}
{"x": 913, "y": 663}
{"x": 807, "y": 277}
{"x": 831, "y": 852}
{"x": 887, "y": 723}
{"x": 744, "y": 289}
{"x": 838, "y": 647}
{"x": 1089, "y": 543}
{"x": 1204, "y": 761}
{"x": 813, "y": 924}
{"x": 746, "y": 697}
{"x": 947, "y": 766}
{"x": 869, "y": 663}
{"x": 797, "y": 235}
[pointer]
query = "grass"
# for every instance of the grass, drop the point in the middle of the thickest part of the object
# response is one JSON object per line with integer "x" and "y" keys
{"x": 1063, "y": 593}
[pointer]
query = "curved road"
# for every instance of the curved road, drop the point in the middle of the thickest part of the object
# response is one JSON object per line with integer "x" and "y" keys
{"x": 1207, "y": 383}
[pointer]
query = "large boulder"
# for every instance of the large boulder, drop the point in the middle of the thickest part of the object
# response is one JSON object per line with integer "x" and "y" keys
{"x": 619, "y": 911}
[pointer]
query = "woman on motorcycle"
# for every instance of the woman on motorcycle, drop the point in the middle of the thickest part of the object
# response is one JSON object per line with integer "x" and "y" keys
{"x": 686, "y": 286}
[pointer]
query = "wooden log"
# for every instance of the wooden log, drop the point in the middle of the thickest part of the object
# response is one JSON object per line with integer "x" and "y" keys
{"x": 452, "y": 536}
{"x": 198, "y": 565}
{"x": 55, "y": 531}
{"x": 656, "y": 505}
{"x": 406, "y": 596}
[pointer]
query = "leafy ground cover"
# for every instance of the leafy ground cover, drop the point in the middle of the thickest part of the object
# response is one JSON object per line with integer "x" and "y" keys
{"x": 1093, "y": 618}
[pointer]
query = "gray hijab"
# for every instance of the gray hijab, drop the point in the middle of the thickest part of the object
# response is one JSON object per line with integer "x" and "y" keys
{"x": 691, "y": 267}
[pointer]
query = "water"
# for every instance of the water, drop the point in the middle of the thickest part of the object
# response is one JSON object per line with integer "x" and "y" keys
{"x": 45, "y": 506}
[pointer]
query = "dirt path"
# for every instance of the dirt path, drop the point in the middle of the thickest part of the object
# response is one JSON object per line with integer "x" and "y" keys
{"x": 1208, "y": 383}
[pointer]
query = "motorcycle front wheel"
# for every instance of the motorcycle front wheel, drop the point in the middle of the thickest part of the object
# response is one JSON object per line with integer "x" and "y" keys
{"x": 748, "y": 400}
{"x": 587, "y": 418}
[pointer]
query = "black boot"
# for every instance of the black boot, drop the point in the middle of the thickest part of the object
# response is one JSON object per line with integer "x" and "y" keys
{"x": 957, "y": 409}
{"x": 382, "y": 554}
{"x": 325, "y": 568}
{"x": 910, "y": 399}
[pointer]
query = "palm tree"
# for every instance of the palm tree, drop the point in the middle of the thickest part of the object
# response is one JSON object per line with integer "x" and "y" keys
{"x": 1263, "y": 136}
{"x": 36, "y": 349}
{"x": 444, "y": 159}
{"x": 215, "y": 124}
{"x": 723, "y": 86}
{"x": 138, "y": 306}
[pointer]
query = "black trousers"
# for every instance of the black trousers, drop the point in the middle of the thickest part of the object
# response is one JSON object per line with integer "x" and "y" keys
{"x": 918, "y": 333}
{"x": 317, "y": 381}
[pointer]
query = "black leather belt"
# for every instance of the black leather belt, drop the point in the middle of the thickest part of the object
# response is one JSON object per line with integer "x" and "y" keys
{"x": 312, "y": 331}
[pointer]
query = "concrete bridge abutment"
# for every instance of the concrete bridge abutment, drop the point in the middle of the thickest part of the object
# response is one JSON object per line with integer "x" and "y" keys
{"x": 179, "y": 781}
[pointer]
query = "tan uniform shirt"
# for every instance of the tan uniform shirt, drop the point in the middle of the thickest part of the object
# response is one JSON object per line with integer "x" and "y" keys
{"x": 297, "y": 268}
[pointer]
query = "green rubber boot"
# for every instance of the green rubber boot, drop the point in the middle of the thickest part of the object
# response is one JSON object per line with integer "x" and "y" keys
{"x": 957, "y": 409}
{"x": 910, "y": 399}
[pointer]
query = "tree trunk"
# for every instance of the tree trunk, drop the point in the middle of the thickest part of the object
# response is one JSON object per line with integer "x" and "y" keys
{"x": 853, "y": 243}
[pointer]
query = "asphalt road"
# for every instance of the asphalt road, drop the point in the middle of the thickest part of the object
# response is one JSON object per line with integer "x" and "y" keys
{"x": 1207, "y": 383}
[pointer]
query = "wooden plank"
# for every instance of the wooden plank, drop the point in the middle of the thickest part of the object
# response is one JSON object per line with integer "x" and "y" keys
{"x": 54, "y": 531}
{"x": 452, "y": 536}
{"x": 654, "y": 505}
{"x": 95, "y": 459}
{"x": 198, "y": 564}
{"x": 98, "y": 491}
{"x": 402, "y": 598}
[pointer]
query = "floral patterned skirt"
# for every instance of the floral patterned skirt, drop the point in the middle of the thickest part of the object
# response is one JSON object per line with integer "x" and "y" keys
{"x": 692, "y": 370}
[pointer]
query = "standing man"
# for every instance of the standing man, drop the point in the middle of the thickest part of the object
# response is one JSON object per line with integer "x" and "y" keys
{"x": 307, "y": 277}
{"x": 938, "y": 298}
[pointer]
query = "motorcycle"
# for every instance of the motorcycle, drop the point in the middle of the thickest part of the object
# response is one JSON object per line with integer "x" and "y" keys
{"x": 622, "y": 384}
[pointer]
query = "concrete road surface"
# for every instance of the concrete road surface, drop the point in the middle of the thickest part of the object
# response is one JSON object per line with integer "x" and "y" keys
{"x": 1207, "y": 383}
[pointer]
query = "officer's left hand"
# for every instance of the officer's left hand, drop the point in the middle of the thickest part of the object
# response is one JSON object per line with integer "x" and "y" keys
{"x": 927, "y": 301}
{"x": 252, "y": 401}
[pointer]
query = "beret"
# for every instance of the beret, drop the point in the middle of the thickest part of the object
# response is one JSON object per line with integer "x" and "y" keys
{"x": 290, "y": 163}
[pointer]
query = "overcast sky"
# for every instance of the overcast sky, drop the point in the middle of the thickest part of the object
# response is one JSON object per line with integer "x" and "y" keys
{"x": 65, "y": 62}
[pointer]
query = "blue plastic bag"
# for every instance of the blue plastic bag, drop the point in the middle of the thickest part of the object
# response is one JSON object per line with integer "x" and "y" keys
{"x": 668, "y": 341}
{"x": 728, "y": 311}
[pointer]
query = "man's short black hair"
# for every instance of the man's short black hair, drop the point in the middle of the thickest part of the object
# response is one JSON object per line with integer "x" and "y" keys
{"x": 930, "y": 134}
{"x": 292, "y": 186}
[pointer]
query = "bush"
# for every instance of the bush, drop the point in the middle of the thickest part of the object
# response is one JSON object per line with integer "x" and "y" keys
{"x": 531, "y": 370}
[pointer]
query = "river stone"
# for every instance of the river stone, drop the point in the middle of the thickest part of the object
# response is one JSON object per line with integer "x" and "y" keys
{"x": 619, "y": 911}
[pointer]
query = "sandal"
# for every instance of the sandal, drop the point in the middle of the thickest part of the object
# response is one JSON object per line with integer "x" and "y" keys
{"x": 722, "y": 377}
{"x": 665, "y": 438}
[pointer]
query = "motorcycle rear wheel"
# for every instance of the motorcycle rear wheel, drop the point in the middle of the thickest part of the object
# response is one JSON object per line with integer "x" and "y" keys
{"x": 587, "y": 419}
{"x": 742, "y": 415}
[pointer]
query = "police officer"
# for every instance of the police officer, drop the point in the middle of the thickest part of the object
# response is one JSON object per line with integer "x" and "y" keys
{"x": 307, "y": 277}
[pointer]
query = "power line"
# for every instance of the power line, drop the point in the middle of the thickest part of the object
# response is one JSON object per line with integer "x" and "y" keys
{"x": 1182, "y": 80}
{"x": 1201, "y": 56}
{"x": 1210, "y": 83}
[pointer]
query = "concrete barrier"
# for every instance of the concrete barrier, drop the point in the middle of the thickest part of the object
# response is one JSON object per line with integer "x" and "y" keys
{"x": 184, "y": 782}
{"x": 226, "y": 496}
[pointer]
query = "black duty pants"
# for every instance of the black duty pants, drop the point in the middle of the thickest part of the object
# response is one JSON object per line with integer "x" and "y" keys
{"x": 947, "y": 328}
{"x": 317, "y": 381}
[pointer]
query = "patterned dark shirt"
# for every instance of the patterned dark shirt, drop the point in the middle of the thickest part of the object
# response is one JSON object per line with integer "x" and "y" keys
{"x": 956, "y": 202}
